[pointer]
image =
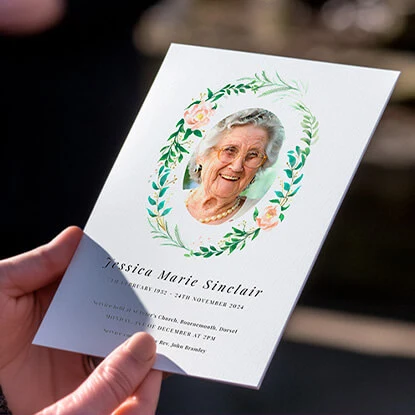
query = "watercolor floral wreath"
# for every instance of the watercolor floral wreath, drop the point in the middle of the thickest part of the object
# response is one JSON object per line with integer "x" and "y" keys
{"x": 197, "y": 115}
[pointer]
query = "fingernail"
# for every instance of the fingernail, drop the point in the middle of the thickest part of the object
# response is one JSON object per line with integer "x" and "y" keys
{"x": 142, "y": 346}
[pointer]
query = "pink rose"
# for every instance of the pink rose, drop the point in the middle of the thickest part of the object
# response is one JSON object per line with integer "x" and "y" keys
{"x": 198, "y": 115}
{"x": 269, "y": 219}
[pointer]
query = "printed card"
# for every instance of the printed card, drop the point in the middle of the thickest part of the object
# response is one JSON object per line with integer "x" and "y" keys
{"x": 216, "y": 208}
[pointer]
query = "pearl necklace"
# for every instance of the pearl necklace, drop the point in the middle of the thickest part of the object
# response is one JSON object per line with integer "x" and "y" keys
{"x": 219, "y": 215}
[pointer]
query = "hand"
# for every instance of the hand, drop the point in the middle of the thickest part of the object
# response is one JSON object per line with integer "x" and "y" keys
{"x": 30, "y": 16}
{"x": 34, "y": 377}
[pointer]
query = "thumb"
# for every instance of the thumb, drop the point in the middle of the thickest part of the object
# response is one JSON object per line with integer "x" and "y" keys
{"x": 114, "y": 381}
{"x": 35, "y": 269}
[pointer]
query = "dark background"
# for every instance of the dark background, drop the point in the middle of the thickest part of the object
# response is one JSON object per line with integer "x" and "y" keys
{"x": 69, "y": 96}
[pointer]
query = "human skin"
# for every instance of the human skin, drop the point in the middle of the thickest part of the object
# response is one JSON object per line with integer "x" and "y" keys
{"x": 35, "y": 378}
{"x": 22, "y": 17}
{"x": 222, "y": 183}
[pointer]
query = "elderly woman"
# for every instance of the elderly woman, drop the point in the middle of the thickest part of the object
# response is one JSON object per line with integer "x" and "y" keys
{"x": 227, "y": 160}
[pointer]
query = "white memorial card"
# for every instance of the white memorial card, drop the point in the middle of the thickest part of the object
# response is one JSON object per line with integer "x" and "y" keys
{"x": 216, "y": 208}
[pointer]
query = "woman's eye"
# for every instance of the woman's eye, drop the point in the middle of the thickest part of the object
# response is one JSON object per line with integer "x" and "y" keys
{"x": 252, "y": 155}
{"x": 231, "y": 151}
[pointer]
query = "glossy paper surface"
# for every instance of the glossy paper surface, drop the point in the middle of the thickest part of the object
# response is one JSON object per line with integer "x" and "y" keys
{"x": 216, "y": 297}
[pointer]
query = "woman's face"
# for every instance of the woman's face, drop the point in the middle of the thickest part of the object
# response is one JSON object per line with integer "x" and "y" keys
{"x": 229, "y": 179}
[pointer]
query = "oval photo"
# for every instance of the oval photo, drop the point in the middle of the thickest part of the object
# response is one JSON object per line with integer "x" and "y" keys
{"x": 232, "y": 166}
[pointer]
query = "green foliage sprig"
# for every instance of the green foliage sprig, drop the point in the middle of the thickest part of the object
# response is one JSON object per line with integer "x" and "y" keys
{"x": 172, "y": 153}
{"x": 265, "y": 85}
{"x": 296, "y": 160}
{"x": 160, "y": 187}
{"x": 232, "y": 240}
{"x": 178, "y": 145}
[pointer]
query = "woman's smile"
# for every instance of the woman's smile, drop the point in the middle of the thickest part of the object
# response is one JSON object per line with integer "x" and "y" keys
{"x": 228, "y": 177}
{"x": 226, "y": 162}
{"x": 226, "y": 180}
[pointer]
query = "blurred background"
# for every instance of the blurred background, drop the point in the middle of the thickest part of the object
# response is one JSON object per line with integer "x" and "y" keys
{"x": 74, "y": 75}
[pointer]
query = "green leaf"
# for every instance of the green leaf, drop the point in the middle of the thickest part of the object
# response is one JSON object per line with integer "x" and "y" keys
{"x": 210, "y": 94}
{"x": 232, "y": 248}
{"x": 181, "y": 148}
{"x": 256, "y": 233}
{"x": 163, "y": 191}
{"x": 180, "y": 122}
{"x": 204, "y": 249}
{"x": 264, "y": 75}
{"x": 291, "y": 160}
{"x": 301, "y": 106}
{"x": 152, "y": 201}
{"x": 161, "y": 169}
{"x": 281, "y": 217}
{"x": 161, "y": 205}
{"x": 286, "y": 186}
{"x": 154, "y": 186}
{"x": 194, "y": 103}
{"x": 163, "y": 179}
{"x": 237, "y": 231}
{"x": 166, "y": 211}
{"x": 298, "y": 179}
{"x": 197, "y": 133}
{"x": 187, "y": 133}
{"x": 279, "y": 193}
{"x": 218, "y": 96}
{"x": 284, "y": 207}
{"x": 256, "y": 213}
{"x": 152, "y": 214}
{"x": 274, "y": 201}
{"x": 289, "y": 173}
{"x": 273, "y": 91}
{"x": 294, "y": 192}
{"x": 208, "y": 254}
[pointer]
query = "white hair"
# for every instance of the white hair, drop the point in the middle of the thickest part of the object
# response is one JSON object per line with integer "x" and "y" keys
{"x": 256, "y": 116}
